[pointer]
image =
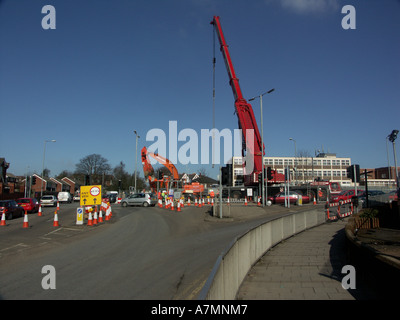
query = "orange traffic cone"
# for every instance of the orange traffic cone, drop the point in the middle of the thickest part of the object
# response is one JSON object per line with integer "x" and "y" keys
{"x": 199, "y": 205}
{"x": 188, "y": 202}
{"x": 100, "y": 217}
{"x": 58, "y": 206}
{"x": 3, "y": 219}
{"x": 172, "y": 205}
{"x": 179, "y": 207}
{"x": 259, "y": 201}
{"x": 107, "y": 214}
{"x": 55, "y": 223}
{"x": 95, "y": 216}
{"x": 315, "y": 201}
{"x": 40, "y": 211}
{"x": 245, "y": 201}
{"x": 90, "y": 220}
{"x": 25, "y": 224}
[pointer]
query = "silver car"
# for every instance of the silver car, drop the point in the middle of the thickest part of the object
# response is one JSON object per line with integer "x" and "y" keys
{"x": 140, "y": 199}
{"x": 48, "y": 201}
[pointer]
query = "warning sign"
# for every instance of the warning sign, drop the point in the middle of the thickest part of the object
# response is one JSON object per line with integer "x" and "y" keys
{"x": 90, "y": 195}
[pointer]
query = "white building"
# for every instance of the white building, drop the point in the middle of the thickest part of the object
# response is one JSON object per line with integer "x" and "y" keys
{"x": 325, "y": 166}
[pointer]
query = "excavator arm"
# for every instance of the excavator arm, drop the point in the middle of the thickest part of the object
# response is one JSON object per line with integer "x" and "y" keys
{"x": 148, "y": 169}
{"x": 243, "y": 109}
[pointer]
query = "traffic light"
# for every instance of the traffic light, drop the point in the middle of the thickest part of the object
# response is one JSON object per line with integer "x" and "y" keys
{"x": 350, "y": 172}
{"x": 33, "y": 180}
{"x": 224, "y": 176}
{"x": 269, "y": 174}
{"x": 230, "y": 174}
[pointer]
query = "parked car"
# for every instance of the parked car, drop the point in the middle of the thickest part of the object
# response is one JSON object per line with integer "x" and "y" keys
{"x": 28, "y": 204}
{"x": 48, "y": 201}
{"x": 64, "y": 197}
{"x": 11, "y": 209}
{"x": 293, "y": 197}
{"x": 140, "y": 199}
{"x": 346, "y": 195}
{"x": 77, "y": 197}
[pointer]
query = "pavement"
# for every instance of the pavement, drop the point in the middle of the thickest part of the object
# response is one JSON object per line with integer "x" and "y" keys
{"x": 306, "y": 266}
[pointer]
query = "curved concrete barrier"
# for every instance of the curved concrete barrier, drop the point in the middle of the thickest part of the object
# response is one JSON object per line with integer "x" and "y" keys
{"x": 244, "y": 251}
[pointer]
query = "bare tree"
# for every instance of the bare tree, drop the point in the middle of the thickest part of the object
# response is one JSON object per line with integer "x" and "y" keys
{"x": 93, "y": 165}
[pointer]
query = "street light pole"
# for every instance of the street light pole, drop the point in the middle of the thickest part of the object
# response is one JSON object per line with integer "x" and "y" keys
{"x": 264, "y": 193}
{"x": 136, "y": 158}
{"x": 392, "y": 138}
{"x": 44, "y": 154}
{"x": 295, "y": 160}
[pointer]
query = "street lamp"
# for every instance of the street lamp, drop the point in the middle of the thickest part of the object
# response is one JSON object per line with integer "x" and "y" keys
{"x": 392, "y": 137}
{"x": 136, "y": 158}
{"x": 44, "y": 154}
{"x": 295, "y": 160}
{"x": 262, "y": 144}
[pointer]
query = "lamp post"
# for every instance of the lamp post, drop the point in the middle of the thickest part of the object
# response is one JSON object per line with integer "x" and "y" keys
{"x": 262, "y": 146}
{"x": 295, "y": 159}
{"x": 387, "y": 153}
{"x": 392, "y": 138}
{"x": 44, "y": 154}
{"x": 137, "y": 137}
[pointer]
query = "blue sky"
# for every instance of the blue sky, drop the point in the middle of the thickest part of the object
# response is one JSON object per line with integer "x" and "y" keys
{"x": 112, "y": 67}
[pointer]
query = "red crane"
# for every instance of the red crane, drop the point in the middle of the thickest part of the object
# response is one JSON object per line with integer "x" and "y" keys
{"x": 244, "y": 111}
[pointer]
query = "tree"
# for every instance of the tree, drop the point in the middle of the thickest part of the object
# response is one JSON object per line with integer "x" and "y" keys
{"x": 94, "y": 166}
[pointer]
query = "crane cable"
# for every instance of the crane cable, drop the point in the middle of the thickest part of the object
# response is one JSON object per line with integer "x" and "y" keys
{"x": 213, "y": 116}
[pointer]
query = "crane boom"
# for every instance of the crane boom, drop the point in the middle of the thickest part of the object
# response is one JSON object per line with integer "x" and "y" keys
{"x": 243, "y": 109}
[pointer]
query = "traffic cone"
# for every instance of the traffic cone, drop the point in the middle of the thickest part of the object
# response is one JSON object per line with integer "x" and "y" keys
{"x": 58, "y": 206}
{"x": 315, "y": 201}
{"x": 172, "y": 205}
{"x": 107, "y": 214}
{"x": 195, "y": 202}
{"x": 95, "y": 216}
{"x": 90, "y": 220}
{"x": 245, "y": 201}
{"x": 40, "y": 211}
{"x": 199, "y": 204}
{"x": 55, "y": 223}
{"x": 179, "y": 207}
{"x": 3, "y": 219}
{"x": 100, "y": 217}
{"x": 25, "y": 224}
{"x": 188, "y": 202}
{"x": 259, "y": 201}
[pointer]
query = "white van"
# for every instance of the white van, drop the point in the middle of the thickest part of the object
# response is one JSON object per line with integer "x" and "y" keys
{"x": 64, "y": 197}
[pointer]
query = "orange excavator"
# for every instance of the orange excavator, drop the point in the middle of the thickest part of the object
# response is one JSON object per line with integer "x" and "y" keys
{"x": 149, "y": 170}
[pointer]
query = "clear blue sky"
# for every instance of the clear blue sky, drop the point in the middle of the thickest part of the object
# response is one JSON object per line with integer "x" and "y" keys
{"x": 111, "y": 67}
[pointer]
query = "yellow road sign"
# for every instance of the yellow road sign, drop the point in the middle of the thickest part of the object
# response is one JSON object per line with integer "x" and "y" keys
{"x": 90, "y": 195}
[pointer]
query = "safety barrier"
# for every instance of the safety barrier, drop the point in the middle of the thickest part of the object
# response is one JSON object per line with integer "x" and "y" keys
{"x": 244, "y": 251}
{"x": 338, "y": 214}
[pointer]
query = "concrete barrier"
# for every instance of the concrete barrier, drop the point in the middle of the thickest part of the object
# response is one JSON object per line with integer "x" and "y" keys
{"x": 244, "y": 251}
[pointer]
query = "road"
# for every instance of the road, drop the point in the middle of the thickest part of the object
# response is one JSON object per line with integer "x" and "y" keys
{"x": 142, "y": 253}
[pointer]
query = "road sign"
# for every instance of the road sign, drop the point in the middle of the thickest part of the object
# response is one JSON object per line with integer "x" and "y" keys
{"x": 79, "y": 216}
{"x": 90, "y": 195}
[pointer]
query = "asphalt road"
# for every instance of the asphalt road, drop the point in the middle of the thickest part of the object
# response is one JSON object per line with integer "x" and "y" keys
{"x": 142, "y": 253}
